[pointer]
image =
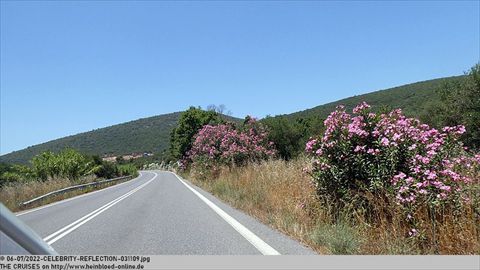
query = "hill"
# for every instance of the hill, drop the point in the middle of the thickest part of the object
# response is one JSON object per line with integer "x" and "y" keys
{"x": 150, "y": 134}
{"x": 153, "y": 134}
{"x": 411, "y": 98}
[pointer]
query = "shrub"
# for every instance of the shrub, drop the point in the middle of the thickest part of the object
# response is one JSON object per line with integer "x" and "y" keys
{"x": 389, "y": 155}
{"x": 106, "y": 170}
{"x": 127, "y": 169}
{"x": 9, "y": 177}
{"x": 225, "y": 145}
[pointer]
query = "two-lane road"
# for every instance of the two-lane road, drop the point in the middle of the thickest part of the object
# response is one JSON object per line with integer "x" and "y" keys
{"x": 157, "y": 214}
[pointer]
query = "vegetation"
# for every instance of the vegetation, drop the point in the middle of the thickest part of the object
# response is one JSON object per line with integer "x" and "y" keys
{"x": 52, "y": 171}
{"x": 190, "y": 122}
{"x": 281, "y": 195}
{"x": 363, "y": 159}
{"x": 372, "y": 184}
{"x": 376, "y": 182}
{"x": 226, "y": 144}
{"x": 153, "y": 134}
{"x": 144, "y": 135}
{"x": 289, "y": 137}
{"x": 459, "y": 104}
{"x": 67, "y": 164}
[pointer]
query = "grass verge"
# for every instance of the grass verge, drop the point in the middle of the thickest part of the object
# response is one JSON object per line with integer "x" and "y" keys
{"x": 13, "y": 194}
{"x": 280, "y": 195}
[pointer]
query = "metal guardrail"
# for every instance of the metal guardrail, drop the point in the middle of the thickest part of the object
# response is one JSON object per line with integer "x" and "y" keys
{"x": 21, "y": 234}
{"x": 63, "y": 190}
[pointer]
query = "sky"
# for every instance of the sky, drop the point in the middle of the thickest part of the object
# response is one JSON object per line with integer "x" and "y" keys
{"x": 73, "y": 66}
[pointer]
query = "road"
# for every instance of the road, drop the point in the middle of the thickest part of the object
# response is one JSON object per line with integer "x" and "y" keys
{"x": 158, "y": 213}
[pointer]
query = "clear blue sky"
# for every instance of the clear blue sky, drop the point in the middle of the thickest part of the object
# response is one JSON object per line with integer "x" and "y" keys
{"x": 70, "y": 67}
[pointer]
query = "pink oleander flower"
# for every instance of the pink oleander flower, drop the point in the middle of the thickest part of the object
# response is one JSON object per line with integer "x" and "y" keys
{"x": 417, "y": 163}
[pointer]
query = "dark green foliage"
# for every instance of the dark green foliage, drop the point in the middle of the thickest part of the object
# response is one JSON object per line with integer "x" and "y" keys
{"x": 288, "y": 137}
{"x": 14, "y": 173}
{"x": 458, "y": 103}
{"x": 107, "y": 170}
{"x": 190, "y": 122}
{"x": 411, "y": 98}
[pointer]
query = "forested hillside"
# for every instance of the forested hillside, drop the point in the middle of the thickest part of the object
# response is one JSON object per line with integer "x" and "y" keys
{"x": 412, "y": 98}
{"x": 150, "y": 134}
{"x": 153, "y": 134}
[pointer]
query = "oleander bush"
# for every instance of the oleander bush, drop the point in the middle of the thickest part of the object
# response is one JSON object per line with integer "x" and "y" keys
{"x": 227, "y": 144}
{"x": 366, "y": 159}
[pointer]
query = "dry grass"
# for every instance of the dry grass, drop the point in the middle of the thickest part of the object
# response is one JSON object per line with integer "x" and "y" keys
{"x": 275, "y": 192}
{"x": 14, "y": 194}
{"x": 279, "y": 194}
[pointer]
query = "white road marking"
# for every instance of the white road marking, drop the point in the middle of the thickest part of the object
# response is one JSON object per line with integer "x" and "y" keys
{"x": 76, "y": 197}
{"x": 75, "y": 225}
{"x": 258, "y": 243}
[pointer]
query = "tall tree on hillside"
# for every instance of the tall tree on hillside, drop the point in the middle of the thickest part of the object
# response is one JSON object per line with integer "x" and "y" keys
{"x": 190, "y": 122}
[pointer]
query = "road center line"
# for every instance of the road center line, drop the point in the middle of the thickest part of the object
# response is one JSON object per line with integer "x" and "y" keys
{"x": 76, "y": 224}
{"x": 88, "y": 215}
{"x": 258, "y": 243}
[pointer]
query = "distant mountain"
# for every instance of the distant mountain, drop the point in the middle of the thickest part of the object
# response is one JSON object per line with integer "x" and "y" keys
{"x": 153, "y": 134}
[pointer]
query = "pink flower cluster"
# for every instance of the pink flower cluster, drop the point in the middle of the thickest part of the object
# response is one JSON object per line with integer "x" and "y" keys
{"x": 224, "y": 144}
{"x": 416, "y": 162}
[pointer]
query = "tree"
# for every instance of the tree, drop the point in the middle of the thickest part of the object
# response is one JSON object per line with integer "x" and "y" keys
{"x": 287, "y": 136}
{"x": 190, "y": 122}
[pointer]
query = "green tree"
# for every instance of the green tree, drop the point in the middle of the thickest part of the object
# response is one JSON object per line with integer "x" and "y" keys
{"x": 190, "y": 122}
{"x": 287, "y": 136}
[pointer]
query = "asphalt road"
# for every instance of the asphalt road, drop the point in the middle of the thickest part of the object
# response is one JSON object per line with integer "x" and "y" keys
{"x": 156, "y": 214}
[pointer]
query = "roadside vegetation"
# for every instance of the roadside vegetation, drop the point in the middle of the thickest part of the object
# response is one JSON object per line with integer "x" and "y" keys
{"x": 371, "y": 181}
{"x": 52, "y": 171}
{"x": 364, "y": 178}
{"x": 152, "y": 134}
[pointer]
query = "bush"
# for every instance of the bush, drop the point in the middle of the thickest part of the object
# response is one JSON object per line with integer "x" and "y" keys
{"x": 68, "y": 163}
{"x": 9, "y": 177}
{"x": 127, "y": 169}
{"x": 389, "y": 155}
{"x": 106, "y": 170}
{"x": 225, "y": 145}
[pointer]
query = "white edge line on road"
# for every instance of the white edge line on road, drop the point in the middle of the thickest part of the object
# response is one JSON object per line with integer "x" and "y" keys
{"x": 258, "y": 243}
{"x": 76, "y": 224}
{"x": 76, "y": 197}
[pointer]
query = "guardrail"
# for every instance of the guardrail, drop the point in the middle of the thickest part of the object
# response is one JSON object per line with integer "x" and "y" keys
{"x": 63, "y": 190}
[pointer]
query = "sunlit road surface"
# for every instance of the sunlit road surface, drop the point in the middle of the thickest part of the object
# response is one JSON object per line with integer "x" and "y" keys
{"x": 158, "y": 213}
